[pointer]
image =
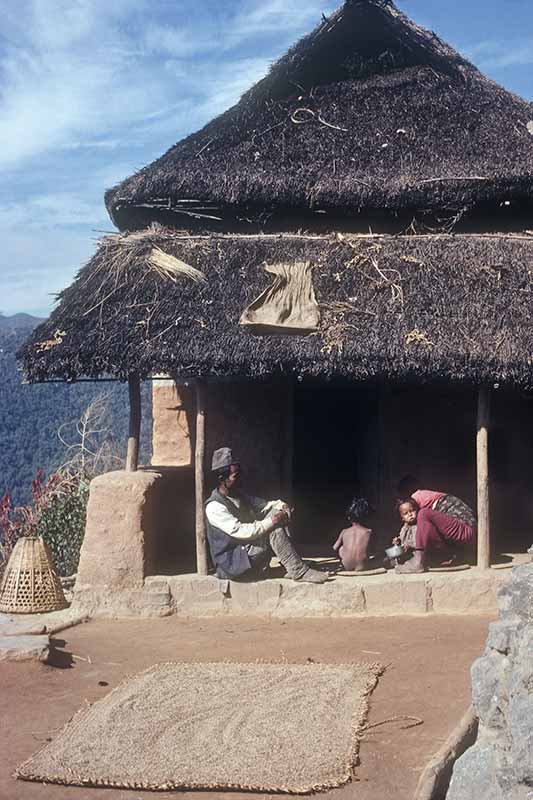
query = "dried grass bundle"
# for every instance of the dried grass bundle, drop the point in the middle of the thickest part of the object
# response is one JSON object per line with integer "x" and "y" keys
{"x": 171, "y": 267}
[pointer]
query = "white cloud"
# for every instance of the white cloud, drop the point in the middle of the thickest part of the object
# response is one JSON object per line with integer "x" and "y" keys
{"x": 51, "y": 211}
{"x": 82, "y": 73}
{"x": 275, "y": 15}
{"x": 35, "y": 266}
{"x": 92, "y": 90}
{"x": 501, "y": 54}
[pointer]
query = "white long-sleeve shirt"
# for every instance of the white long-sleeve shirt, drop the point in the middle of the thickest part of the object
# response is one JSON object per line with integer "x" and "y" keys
{"x": 219, "y": 516}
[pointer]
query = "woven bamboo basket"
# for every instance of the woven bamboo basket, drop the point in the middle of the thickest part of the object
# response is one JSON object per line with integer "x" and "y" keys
{"x": 30, "y": 584}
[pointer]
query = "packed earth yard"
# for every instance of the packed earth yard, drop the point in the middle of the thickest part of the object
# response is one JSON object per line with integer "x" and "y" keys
{"x": 427, "y": 675}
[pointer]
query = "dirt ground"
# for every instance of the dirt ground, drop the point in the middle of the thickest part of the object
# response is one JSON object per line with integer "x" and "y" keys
{"x": 428, "y": 661}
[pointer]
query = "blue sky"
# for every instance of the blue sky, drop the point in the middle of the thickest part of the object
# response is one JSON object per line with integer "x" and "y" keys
{"x": 91, "y": 90}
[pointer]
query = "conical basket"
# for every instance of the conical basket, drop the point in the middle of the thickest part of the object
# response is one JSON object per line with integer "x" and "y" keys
{"x": 30, "y": 584}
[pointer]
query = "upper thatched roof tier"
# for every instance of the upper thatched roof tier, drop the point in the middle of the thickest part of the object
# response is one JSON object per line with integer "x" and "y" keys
{"x": 369, "y": 111}
{"x": 416, "y": 308}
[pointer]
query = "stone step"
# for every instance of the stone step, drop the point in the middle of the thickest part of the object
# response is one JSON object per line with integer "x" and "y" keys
{"x": 24, "y": 648}
{"x": 38, "y": 624}
{"x": 471, "y": 592}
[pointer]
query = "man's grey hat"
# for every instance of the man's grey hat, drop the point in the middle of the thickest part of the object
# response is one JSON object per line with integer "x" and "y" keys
{"x": 223, "y": 457}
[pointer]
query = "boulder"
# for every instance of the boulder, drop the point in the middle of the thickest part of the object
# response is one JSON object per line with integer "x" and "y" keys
{"x": 499, "y": 766}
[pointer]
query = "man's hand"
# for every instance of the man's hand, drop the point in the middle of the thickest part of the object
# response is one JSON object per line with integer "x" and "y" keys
{"x": 280, "y": 519}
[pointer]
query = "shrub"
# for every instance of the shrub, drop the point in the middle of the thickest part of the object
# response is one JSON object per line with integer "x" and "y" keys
{"x": 10, "y": 529}
{"x": 62, "y": 526}
{"x": 57, "y": 513}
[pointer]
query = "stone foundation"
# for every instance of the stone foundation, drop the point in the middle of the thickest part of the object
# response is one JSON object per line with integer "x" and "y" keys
{"x": 379, "y": 595}
{"x": 500, "y": 764}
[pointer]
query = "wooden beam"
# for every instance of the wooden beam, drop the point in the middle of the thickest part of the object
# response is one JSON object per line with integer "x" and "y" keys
{"x": 199, "y": 457}
{"x": 132, "y": 456}
{"x": 483, "y": 504}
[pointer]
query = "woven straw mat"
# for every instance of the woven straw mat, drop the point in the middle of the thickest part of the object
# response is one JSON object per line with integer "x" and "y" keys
{"x": 265, "y": 727}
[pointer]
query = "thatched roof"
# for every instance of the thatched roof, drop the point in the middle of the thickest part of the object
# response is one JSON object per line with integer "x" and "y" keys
{"x": 367, "y": 112}
{"x": 418, "y": 307}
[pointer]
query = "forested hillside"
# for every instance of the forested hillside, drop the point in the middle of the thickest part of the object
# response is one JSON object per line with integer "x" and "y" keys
{"x": 30, "y": 416}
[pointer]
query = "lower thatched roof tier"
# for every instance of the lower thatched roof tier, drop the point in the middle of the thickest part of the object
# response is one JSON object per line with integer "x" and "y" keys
{"x": 455, "y": 307}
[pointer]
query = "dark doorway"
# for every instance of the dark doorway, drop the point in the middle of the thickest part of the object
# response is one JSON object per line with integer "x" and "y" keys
{"x": 335, "y": 456}
{"x": 360, "y": 439}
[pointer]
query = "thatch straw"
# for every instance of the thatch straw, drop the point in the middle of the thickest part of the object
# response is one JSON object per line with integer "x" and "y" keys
{"x": 397, "y": 307}
{"x": 369, "y": 111}
{"x": 170, "y": 267}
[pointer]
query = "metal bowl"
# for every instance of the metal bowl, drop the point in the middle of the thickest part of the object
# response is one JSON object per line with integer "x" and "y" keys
{"x": 394, "y": 552}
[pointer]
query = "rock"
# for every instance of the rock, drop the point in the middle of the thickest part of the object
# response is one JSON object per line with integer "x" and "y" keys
{"x": 521, "y": 709}
{"x": 393, "y": 594}
{"x": 68, "y": 620}
{"x": 515, "y": 598}
{"x": 67, "y": 582}
{"x": 100, "y": 602}
{"x": 337, "y": 598}
{"x": 157, "y": 583}
{"x": 501, "y": 636}
{"x": 197, "y": 595}
{"x": 500, "y": 765}
{"x": 259, "y": 598}
{"x": 464, "y": 593}
{"x": 24, "y": 648}
{"x": 120, "y": 530}
{"x": 489, "y": 688}
{"x": 15, "y": 628}
{"x": 474, "y": 776}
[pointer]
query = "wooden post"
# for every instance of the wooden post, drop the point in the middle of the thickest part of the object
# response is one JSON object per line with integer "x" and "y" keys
{"x": 132, "y": 456}
{"x": 199, "y": 455}
{"x": 483, "y": 506}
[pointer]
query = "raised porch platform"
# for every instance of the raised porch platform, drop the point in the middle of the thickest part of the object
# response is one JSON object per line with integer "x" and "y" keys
{"x": 470, "y": 592}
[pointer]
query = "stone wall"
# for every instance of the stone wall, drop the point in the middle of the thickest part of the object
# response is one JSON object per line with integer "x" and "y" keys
{"x": 500, "y": 764}
{"x": 374, "y": 596}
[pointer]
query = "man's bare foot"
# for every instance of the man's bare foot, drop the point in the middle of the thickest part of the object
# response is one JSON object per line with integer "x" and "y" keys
{"x": 313, "y": 576}
{"x": 415, "y": 565}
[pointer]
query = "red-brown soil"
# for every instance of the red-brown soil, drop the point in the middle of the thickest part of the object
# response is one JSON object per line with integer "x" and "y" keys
{"x": 428, "y": 664}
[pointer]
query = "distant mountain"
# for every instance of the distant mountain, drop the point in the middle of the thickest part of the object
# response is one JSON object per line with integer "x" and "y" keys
{"x": 31, "y": 415}
{"x": 18, "y": 321}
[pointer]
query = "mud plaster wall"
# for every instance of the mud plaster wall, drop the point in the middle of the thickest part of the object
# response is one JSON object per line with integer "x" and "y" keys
{"x": 173, "y": 421}
{"x": 251, "y": 418}
{"x": 174, "y": 549}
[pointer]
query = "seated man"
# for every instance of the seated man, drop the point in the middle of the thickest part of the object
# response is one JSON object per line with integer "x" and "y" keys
{"x": 244, "y": 531}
